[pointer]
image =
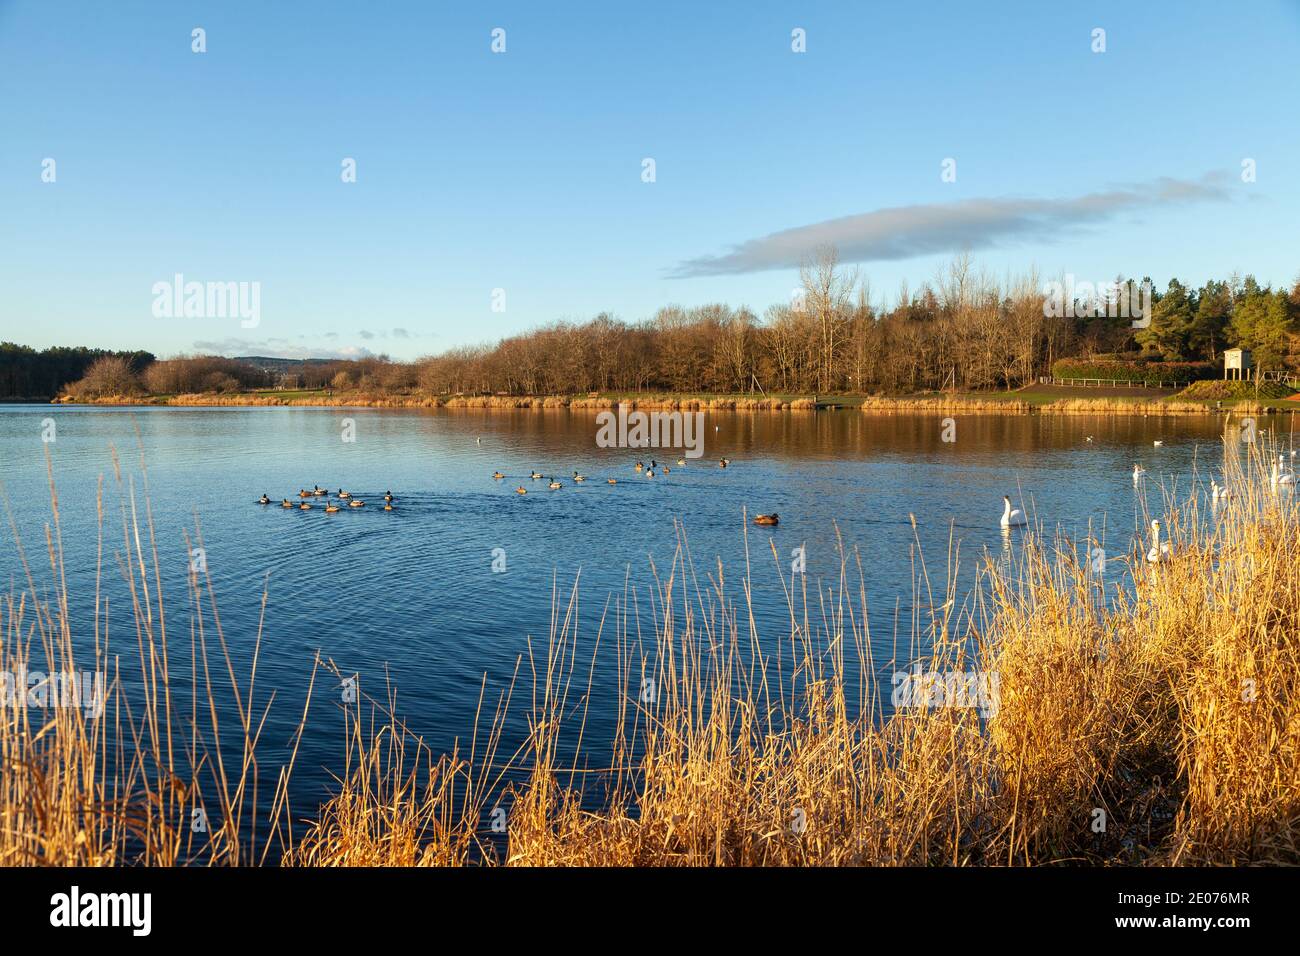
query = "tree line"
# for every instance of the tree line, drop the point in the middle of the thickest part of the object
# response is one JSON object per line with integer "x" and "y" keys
{"x": 28, "y": 373}
{"x": 961, "y": 330}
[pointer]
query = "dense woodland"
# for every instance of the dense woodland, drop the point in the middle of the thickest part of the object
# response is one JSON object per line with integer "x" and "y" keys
{"x": 963, "y": 330}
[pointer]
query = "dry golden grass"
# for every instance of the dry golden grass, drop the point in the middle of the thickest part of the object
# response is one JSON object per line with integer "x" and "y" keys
{"x": 117, "y": 779}
{"x": 1162, "y": 698}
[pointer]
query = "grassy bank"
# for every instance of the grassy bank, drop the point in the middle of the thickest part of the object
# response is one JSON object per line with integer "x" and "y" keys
{"x": 1141, "y": 713}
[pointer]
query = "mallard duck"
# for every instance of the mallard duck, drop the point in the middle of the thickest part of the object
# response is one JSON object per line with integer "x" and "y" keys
{"x": 263, "y": 500}
{"x": 521, "y": 490}
{"x": 356, "y": 503}
{"x": 344, "y": 494}
{"x": 497, "y": 475}
{"x": 331, "y": 508}
{"x": 773, "y": 518}
{"x": 286, "y": 503}
{"x": 554, "y": 484}
{"x": 305, "y": 506}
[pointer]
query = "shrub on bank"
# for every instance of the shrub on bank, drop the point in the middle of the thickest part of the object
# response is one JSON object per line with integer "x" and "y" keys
{"x": 1149, "y": 373}
{"x": 1218, "y": 388}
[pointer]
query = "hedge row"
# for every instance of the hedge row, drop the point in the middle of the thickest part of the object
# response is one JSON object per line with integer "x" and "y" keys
{"x": 1179, "y": 372}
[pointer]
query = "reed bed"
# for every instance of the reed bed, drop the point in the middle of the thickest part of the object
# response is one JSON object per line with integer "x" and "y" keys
{"x": 881, "y": 405}
{"x": 966, "y": 405}
{"x": 1115, "y": 406}
{"x": 1063, "y": 709}
{"x": 112, "y": 760}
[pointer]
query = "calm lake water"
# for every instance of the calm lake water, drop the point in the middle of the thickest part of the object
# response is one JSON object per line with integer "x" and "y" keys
{"x": 411, "y": 596}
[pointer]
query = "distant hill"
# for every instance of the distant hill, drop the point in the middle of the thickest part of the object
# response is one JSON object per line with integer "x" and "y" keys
{"x": 281, "y": 366}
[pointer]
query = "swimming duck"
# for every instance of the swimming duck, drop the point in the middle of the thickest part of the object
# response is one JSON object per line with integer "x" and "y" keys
{"x": 286, "y": 503}
{"x": 1158, "y": 443}
{"x": 318, "y": 491}
{"x": 611, "y": 481}
{"x": 356, "y": 503}
{"x": 264, "y": 500}
{"x": 305, "y": 506}
{"x": 723, "y": 463}
{"x": 344, "y": 494}
{"x": 331, "y": 508}
{"x": 682, "y": 462}
{"x": 497, "y": 475}
{"x": 639, "y": 466}
{"x": 554, "y": 484}
{"x": 535, "y": 474}
{"x": 388, "y": 506}
{"x": 388, "y": 496}
{"x": 521, "y": 490}
{"x": 304, "y": 493}
{"x": 578, "y": 477}
{"x": 666, "y": 470}
{"x": 649, "y": 473}
{"x": 773, "y": 518}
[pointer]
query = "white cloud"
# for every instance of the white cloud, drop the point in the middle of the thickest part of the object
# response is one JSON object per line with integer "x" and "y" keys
{"x": 905, "y": 232}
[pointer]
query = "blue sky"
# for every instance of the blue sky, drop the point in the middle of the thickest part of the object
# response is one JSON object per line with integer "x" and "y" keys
{"x": 523, "y": 171}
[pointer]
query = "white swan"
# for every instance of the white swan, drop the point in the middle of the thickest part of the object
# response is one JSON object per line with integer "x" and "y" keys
{"x": 1279, "y": 479}
{"x": 1138, "y": 472}
{"x": 1159, "y": 551}
{"x": 1011, "y": 517}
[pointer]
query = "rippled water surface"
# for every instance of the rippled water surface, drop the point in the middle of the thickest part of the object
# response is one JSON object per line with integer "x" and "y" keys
{"x": 410, "y": 595}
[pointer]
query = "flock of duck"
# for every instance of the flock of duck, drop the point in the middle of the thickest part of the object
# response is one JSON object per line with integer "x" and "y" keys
{"x": 330, "y": 507}
{"x": 641, "y": 468}
{"x": 1282, "y": 479}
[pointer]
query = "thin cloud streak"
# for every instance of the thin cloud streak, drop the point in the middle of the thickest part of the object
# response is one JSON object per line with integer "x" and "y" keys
{"x": 905, "y": 232}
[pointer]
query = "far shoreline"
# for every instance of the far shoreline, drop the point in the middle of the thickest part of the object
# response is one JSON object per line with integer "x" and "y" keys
{"x": 1026, "y": 401}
